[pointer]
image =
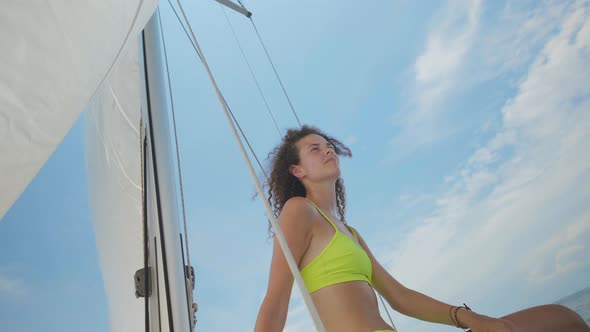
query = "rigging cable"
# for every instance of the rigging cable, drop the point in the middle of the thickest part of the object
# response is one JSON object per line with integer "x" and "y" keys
{"x": 245, "y": 138}
{"x": 251, "y": 71}
{"x": 230, "y": 111}
{"x": 185, "y": 32}
{"x": 280, "y": 237}
{"x": 273, "y": 67}
{"x": 386, "y": 310}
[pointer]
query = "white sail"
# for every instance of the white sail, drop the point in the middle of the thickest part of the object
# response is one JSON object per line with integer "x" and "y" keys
{"x": 55, "y": 55}
{"x": 60, "y": 57}
{"x": 113, "y": 159}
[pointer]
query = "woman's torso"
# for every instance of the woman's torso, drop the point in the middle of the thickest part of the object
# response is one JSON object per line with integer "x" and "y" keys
{"x": 346, "y": 306}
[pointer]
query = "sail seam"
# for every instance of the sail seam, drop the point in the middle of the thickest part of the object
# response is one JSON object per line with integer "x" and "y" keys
{"x": 120, "y": 108}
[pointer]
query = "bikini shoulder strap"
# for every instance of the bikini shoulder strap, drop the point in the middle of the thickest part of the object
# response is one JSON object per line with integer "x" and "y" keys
{"x": 353, "y": 231}
{"x": 323, "y": 214}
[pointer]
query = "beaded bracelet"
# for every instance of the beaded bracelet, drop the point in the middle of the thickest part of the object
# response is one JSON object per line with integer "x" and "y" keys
{"x": 452, "y": 315}
{"x": 455, "y": 319}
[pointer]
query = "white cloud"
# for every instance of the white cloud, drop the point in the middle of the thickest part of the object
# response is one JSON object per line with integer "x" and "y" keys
{"x": 462, "y": 51}
{"x": 534, "y": 197}
{"x": 567, "y": 250}
{"x": 510, "y": 44}
{"x": 447, "y": 46}
{"x": 436, "y": 72}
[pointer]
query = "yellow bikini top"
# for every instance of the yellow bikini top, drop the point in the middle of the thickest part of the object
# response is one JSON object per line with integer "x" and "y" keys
{"x": 341, "y": 260}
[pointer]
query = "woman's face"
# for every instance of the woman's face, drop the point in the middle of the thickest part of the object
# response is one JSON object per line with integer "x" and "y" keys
{"x": 317, "y": 159}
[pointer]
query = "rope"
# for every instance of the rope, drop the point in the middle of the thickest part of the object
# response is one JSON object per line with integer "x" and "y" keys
{"x": 251, "y": 71}
{"x": 276, "y": 73}
{"x": 387, "y": 311}
{"x": 272, "y": 64}
{"x": 230, "y": 111}
{"x": 280, "y": 237}
{"x": 185, "y": 32}
{"x": 245, "y": 138}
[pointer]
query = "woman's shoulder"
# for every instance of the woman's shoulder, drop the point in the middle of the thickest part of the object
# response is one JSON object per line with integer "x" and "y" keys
{"x": 297, "y": 210}
{"x": 297, "y": 202}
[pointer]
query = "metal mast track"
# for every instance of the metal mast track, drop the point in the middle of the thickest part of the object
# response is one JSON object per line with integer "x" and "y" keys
{"x": 168, "y": 306}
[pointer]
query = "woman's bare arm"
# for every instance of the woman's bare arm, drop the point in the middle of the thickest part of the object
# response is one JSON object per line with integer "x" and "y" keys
{"x": 416, "y": 304}
{"x": 296, "y": 223}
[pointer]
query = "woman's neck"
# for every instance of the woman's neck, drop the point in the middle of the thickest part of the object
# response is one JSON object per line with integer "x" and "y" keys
{"x": 324, "y": 196}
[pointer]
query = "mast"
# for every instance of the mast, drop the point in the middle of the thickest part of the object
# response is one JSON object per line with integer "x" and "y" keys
{"x": 168, "y": 301}
{"x": 165, "y": 282}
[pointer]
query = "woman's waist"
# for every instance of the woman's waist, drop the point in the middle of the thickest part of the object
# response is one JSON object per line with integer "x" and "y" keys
{"x": 349, "y": 306}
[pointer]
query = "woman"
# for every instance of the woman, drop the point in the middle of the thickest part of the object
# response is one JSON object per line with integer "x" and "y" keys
{"x": 338, "y": 268}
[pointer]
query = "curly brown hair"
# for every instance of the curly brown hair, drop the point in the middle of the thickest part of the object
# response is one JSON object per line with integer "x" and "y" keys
{"x": 282, "y": 185}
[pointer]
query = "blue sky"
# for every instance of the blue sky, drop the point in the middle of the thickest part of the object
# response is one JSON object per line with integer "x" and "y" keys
{"x": 470, "y": 177}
